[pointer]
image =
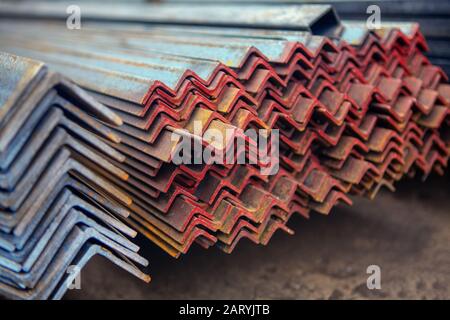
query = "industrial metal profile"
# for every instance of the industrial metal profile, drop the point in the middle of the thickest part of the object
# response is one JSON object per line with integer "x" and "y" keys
{"x": 355, "y": 112}
{"x": 54, "y": 203}
{"x": 432, "y": 15}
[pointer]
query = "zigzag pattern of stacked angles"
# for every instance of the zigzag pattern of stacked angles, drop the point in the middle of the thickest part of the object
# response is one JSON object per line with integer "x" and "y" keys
{"x": 432, "y": 15}
{"x": 356, "y": 110}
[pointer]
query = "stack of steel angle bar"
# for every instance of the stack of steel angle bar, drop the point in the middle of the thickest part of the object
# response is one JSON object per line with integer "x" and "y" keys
{"x": 57, "y": 209}
{"x": 348, "y": 111}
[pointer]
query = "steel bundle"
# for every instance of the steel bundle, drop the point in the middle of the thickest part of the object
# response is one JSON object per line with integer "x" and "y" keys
{"x": 356, "y": 110}
{"x": 53, "y": 209}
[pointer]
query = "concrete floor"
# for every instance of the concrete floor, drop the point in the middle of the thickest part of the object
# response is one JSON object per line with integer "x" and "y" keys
{"x": 406, "y": 233}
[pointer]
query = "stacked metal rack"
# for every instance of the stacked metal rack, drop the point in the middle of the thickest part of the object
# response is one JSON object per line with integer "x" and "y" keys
{"x": 355, "y": 110}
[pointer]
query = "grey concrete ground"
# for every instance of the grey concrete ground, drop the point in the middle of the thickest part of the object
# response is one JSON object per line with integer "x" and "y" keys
{"x": 406, "y": 233}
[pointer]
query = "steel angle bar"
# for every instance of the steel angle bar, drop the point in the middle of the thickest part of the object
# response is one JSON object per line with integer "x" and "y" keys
{"x": 260, "y": 234}
{"x": 35, "y": 265}
{"x": 61, "y": 165}
{"x": 32, "y": 123}
{"x": 16, "y": 121}
{"x": 148, "y": 165}
{"x": 59, "y": 265}
{"x": 84, "y": 257}
{"x": 12, "y": 199}
{"x": 19, "y": 141}
{"x": 46, "y": 139}
{"x": 23, "y": 260}
{"x": 24, "y": 74}
{"x": 167, "y": 243}
{"x": 12, "y": 243}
